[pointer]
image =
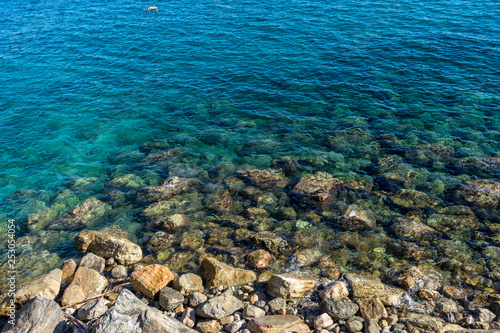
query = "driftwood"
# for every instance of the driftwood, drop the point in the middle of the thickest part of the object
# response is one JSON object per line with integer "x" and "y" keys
{"x": 98, "y": 296}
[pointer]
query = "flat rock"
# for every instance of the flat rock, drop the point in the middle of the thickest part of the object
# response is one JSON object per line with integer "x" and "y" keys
{"x": 219, "y": 306}
{"x": 356, "y": 217}
{"x": 108, "y": 246}
{"x": 412, "y": 229}
{"x": 263, "y": 178}
{"x": 216, "y": 273}
{"x": 90, "y": 260}
{"x": 88, "y": 211}
{"x": 366, "y": 286}
{"x": 39, "y": 315}
{"x": 252, "y": 312}
{"x": 290, "y": 285}
{"x": 372, "y": 308}
{"x": 86, "y": 283}
{"x": 412, "y": 199}
{"x": 339, "y": 309}
{"x": 174, "y": 222}
{"x": 150, "y": 280}
{"x": 92, "y": 310}
{"x": 278, "y": 324}
{"x": 422, "y": 321}
{"x": 47, "y": 286}
{"x": 208, "y": 326}
{"x": 317, "y": 188}
{"x": 129, "y": 314}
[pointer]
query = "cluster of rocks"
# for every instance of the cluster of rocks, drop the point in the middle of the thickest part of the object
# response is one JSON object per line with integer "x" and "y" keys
{"x": 111, "y": 291}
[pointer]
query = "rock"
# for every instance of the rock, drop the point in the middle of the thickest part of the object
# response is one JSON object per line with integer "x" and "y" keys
{"x": 107, "y": 246}
{"x": 412, "y": 228}
{"x": 196, "y": 298}
{"x": 188, "y": 283}
{"x": 263, "y": 178}
{"x": 339, "y": 309}
{"x": 86, "y": 283}
{"x": 357, "y": 218}
{"x": 354, "y": 325}
{"x": 453, "y": 218}
{"x": 446, "y": 306}
{"x": 270, "y": 241}
{"x": 495, "y": 307}
{"x": 428, "y": 295}
{"x": 90, "y": 260}
{"x": 171, "y": 187}
{"x": 316, "y": 188}
{"x": 365, "y": 286}
{"x": 236, "y": 326}
{"x": 151, "y": 279}
{"x": 40, "y": 314}
{"x": 119, "y": 272}
{"x": 372, "y": 326}
{"x": 129, "y": 314}
{"x": 484, "y": 315}
{"x": 480, "y": 193}
{"x": 259, "y": 259}
{"x": 88, "y": 211}
{"x": 277, "y": 305}
{"x": 322, "y": 321}
{"x": 170, "y": 299}
{"x": 189, "y": 317}
{"x": 47, "y": 286}
{"x": 216, "y": 273}
{"x": 68, "y": 269}
{"x": 337, "y": 290}
{"x": 372, "y": 309}
{"x": 422, "y": 321}
{"x": 160, "y": 241}
{"x": 174, "y": 222}
{"x": 487, "y": 167}
{"x": 278, "y": 324}
{"x": 92, "y": 309}
{"x": 291, "y": 285}
{"x": 208, "y": 326}
{"x": 219, "y": 307}
{"x": 252, "y": 312}
{"x": 412, "y": 199}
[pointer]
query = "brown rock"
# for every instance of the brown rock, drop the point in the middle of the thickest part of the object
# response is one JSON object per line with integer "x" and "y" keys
{"x": 270, "y": 241}
{"x": 365, "y": 286}
{"x": 188, "y": 283}
{"x": 428, "y": 295}
{"x": 422, "y": 321}
{"x": 317, "y": 188}
{"x": 47, "y": 286}
{"x": 171, "y": 187}
{"x": 86, "y": 283}
{"x": 337, "y": 290}
{"x": 151, "y": 280}
{"x": 259, "y": 259}
{"x": 412, "y": 199}
{"x": 263, "y": 178}
{"x": 412, "y": 228}
{"x": 68, "y": 269}
{"x": 278, "y": 324}
{"x": 372, "y": 309}
{"x": 174, "y": 222}
{"x": 291, "y": 285}
{"x": 89, "y": 210}
{"x": 216, "y": 273}
{"x": 482, "y": 193}
{"x": 357, "y": 218}
{"x": 208, "y": 326}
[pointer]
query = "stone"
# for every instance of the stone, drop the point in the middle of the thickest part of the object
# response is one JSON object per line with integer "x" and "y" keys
{"x": 196, "y": 298}
{"x": 481, "y": 193}
{"x": 372, "y": 326}
{"x": 151, "y": 280}
{"x": 40, "y": 314}
{"x": 188, "y": 283}
{"x": 88, "y": 211}
{"x": 259, "y": 259}
{"x": 428, "y": 295}
{"x": 291, "y": 286}
{"x": 252, "y": 312}
{"x": 129, "y": 314}
{"x": 339, "y": 309}
{"x": 160, "y": 241}
{"x": 354, "y": 325}
{"x": 90, "y": 260}
{"x": 86, "y": 283}
{"x": 484, "y": 315}
{"x": 412, "y": 199}
{"x": 322, "y": 321}
{"x": 108, "y": 246}
{"x": 68, "y": 269}
{"x": 92, "y": 309}
{"x": 235, "y": 326}
{"x": 278, "y": 324}
{"x": 208, "y": 326}
{"x": 337, "y": 290}
{"x": 487, "y": 167}
{"x": 263, "y": 178}
{"x": 412, "y": 229}
{"x": 356, "y": 217}
{"x": 171, "y": 187}
{"x": 47, "y": 286}
{"x": 453, "y": 218}
{"x": 423, "y": 321}
{"x": 316, "y": 188}
{"x": 495, "y": 307}
{"x": 446, "y": 306}
{"x": 189, "y": 317}
{"x": 277, "y": 305}
{"x": 372, "y": 308}
{"x": 365, "y": 286}
{"x": 270, "y": 241}
{"x": 216, "y": 273}
{"x": 220, "y": 306}
{"x": 119, "y": 272}
{"x": 174, "y": 222}
{"x": 170, "y": 299}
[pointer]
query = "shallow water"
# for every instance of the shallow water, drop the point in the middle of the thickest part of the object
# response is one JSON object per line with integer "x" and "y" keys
{"x": 237, "y": 85}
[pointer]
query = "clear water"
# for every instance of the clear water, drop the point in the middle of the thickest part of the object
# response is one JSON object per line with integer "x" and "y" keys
{"x": 84, "y": 84}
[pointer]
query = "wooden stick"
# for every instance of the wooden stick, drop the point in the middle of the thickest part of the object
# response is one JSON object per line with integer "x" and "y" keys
{"x": 98, "y": 296}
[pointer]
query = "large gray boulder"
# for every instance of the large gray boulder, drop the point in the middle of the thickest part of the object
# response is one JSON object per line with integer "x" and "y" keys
{"x": 129, "y": 314}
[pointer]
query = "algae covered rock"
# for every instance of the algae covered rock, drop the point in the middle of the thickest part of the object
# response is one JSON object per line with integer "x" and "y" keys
{"x": 488, "y": 167}
{"x": 317, "y": 188}
{"x": 270, "y": 241}
{"x": 171, "y": 187}
{"x": 412, "y": 228}
{"x": 481, "y": 193}
{"x": 454, "y": 217}
{"x": 412, "y": 199}
{"x": 88, "y": 211}
{"x": 263, "y": 178}
{"x": 356, "y": 217}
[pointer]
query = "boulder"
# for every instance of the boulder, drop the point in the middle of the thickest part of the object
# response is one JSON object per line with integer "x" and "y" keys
{"x": 252, "y": 312}
{"x": 129, "y": 314}
{"x": 170, "y": 299}
{"x": 150, "y": 280}
{"x": 357, "y": 218}
{"x": 219, "y": 306}
{"x": 423, "y": 321}
{"x": 92, "y": 309}
{"x": 108, "y": 246}
{"x": 454, "y": 217}
{"x": 86, "y": 283}
{"x": 337, "y": 290}
{"x": 259, "y": 259}
{"x": 68, "y": 269}
{"x": 88, "y": 211}
{"x": 270, "y": 241}
{"x": 90, "y": 260}
{"x": 291, "y": 286}
{"x": 278, "y": 324}
{"x": 342, "y": 309}
{"x": 412, "y": 228}
{"x": 365, "y": 286}
{"x": 263, "y": 178}
{"x": 317, "y": 188}
{"x": 216, "y": 273}
{"x": 47, "y": 286}
{"x": 188, "y": 283}
{"x": 40, "y": 314}
{"x": 372, "y": 308}
{"x": 174, "y": 222}
{"x": 487, "y": 167}
{"x": 412, "y": 199}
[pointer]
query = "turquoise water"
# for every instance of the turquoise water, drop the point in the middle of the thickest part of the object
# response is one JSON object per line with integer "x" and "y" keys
{"x": 238, "y": 84}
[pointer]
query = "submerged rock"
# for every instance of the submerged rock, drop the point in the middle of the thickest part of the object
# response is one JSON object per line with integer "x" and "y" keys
{"x": 365, "y": 286}
{"x": 88, "y": 211}
{"x": 488, "y": 167}
{"x": 356, "y": 217}
{"x": 161, "y": 241}
{"x": 454, "y": 217}
{"x": 216, "y": 273}
{"x": 264, "y": 178}
{"x": 481, "y": 193}
{"x": 412, "y": 228}
{"x": 174, "y": 222}
{"x": 412, "y": 199}
{"x": 259, "y": 259}
{"x": 171, "y": 187}
{"x": 317, "y": 188}
{"x": 270, "y": 241}
{"x": 339, "y": 309}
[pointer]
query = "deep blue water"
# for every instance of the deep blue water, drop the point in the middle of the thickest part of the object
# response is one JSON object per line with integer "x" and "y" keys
{"x": 238, "y": 83}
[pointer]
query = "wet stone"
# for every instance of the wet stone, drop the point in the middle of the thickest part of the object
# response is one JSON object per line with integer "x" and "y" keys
{"x": 316, "y": 188}
{"x": 412, "y": 199}
{"x": 270, "y": 241}
{"x": 481, "y": 193}
{"x": 412, "y": 228}
{"x": 337, "y": 290}
{"x": 356, "y": 217}
{"x": 88, "y": 211}
{"x": 428, "y": 295}
{"x": 259, "y": 259}
{"x": 446, "y": 305}
{"x": 174, "y": 222}
{"x": 372, "y": 308}
{"x": 171, "y": 187}
{"x": 160, "y": 241}
{"x": 484, "y": 315}
{"x": 263, "y": 178}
